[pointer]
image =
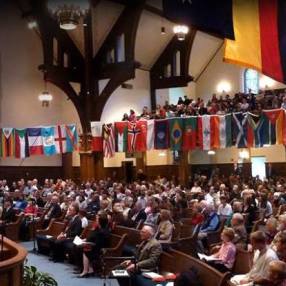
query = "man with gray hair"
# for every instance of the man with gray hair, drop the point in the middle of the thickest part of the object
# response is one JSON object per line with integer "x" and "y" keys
{"x": 148, "y": 253}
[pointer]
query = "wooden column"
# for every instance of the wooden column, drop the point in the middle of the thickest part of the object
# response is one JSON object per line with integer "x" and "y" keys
{"x": 67, "y": 166}
{"x": 87, "y": 166}
{"x": 99, "y": 171}
{"x": 141, "y": 163}
{"x": 184, "y": 170}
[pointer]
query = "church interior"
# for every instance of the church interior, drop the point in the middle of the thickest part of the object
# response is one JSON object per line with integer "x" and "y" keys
{"x": 142, "y": 142}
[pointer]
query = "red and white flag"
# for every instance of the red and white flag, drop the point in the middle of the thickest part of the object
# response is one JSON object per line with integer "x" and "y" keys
{"x": 108, "y": 140}
{"x": 96, "y": 132}
{"x": 35, "y": 141}
{"x": 60, "y": 139}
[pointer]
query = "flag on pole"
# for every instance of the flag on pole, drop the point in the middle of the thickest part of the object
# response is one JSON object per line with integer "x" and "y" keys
{"x": 49, "y": 144}
{"x": 121, "y": 132}
{"x": 96, "y": 133}
{"x": 108, "y": 140}
{"x": 21, "y": 143}
{"x": 35, "y": 141}
{"x": 7, "y": 142}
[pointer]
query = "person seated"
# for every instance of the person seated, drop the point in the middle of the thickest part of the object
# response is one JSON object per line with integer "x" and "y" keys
{"x": 165, "y": 228}
{"x": 226, "y": 254}
{"x": 20, "y": 203}
{"x": 271, "y": 229}
{"x": 211, "y": 223}
{"x": 98, "y": 239}
{"x": 58, "y": 245}
{"x": 240, "y": 233}
{"x": 279, "y": 245}
{"x": 263, "y": 255}
{"x": 153, "y": 215}
{"x": 224, "y": 209}
{"x": 30, "y": 212}
{"x": 148, "y": 254}
{"x": 54, "y": 211}
{"x": 276, "y": 275}
{"x": 8, "y": 213}
{"x": 137, "y": 214}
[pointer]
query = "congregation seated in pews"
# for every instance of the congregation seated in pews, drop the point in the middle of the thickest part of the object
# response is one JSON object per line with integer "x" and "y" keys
{"x": 237, "y": 228}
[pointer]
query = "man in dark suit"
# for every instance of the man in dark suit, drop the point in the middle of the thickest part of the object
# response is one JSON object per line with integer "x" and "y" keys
{"x": 54, "y": 211}
{"x": 65, "y": 238}
{"x": 8, "y": 214}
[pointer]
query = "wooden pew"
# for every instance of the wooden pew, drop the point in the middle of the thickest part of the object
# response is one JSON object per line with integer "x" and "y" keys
{"x": 133, "y": 235}
{"x": 12, "y": 229}
{"x": 11, "y": 268}
{"x": 176, "y": 261}
{"x": 243, "y": 262}
{"x": 54, "y": 228}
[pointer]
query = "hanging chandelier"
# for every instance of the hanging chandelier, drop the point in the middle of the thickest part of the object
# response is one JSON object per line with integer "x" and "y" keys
{"x": 68, "y": 12}
{"x": 45, "y": 97}
{"x": 181, "y": 31}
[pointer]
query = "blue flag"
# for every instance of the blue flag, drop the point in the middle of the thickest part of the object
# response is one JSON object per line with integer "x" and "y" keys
{"x": 161, "y": 134}
{"x": 206, "y": 15}
{"x": 48, "y": 135}
{"x": 240, "y": 129}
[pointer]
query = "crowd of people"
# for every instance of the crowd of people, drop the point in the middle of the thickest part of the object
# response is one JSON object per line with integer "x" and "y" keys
{"x": 155, "y": 207}
{"x": 220, "y": 105}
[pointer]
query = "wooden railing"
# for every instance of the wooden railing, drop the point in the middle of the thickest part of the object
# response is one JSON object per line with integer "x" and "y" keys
{"x": 11, "y": 268}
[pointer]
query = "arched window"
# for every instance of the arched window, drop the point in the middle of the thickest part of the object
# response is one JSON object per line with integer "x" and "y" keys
{"x": 251, "y": 81}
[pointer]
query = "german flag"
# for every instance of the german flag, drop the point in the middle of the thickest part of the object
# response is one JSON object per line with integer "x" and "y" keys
{"x": 260, "y": 37}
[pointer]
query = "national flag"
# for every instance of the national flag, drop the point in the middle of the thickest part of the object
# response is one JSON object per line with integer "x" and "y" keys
{"x": 137, "y": 136}
{"x": 49, "y": 144}
{"x": 96, "y": 133}
{"x": 204, "y": 132}
{"x": 223, "y": 131}
{"x": 72, "y": 138}
{"x": 21, "y": 143}
{"x": 261, "y": 23}
{"x": 7, "y": 142}
{"x": 206, "y": 15}
{"x": 150, "y": 134}
{"x": 190, "y": 133}
{"x": 121, "y": 131}
{"x": 35, "y": 141}
{"x": 176, "y": 133}
{"x": 161, "y": 134}
{"x": 255, "y": 130}
{"x": 108, "y": 140}
{"x": 239, "y": 129}
{"x": 274, "y": 121}
{"x": 60, "y": 139}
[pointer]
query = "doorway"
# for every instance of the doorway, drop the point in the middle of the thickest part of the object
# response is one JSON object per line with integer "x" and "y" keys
{"x": 258, "y": 167}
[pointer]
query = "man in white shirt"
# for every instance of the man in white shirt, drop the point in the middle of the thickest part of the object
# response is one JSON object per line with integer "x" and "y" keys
{"x": 224, "y": 208}
{"x": 263, "y": 255}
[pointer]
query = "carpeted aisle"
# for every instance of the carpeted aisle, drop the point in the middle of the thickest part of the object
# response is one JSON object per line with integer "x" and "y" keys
{"x": 63, "y": 273}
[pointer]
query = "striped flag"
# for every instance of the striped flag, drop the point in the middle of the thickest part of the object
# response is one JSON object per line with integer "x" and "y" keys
{"x": 60, "y": 139}
{"x": 21, "y": 143}
{"x": 71, "y": 138}
{"x": 49, "y": 143}
{"x": 96, "y": 133}
{"x": 274, "y": 121}
{"x": 108, "y": 140}
{"x": 35, "y": 141}
{"x": 121, "y": 129}
{"x": 7, "y": 142}
{"x": 255, "y": 130}
{"x": 261, "y": 23}
{"x": 204, "y": 132}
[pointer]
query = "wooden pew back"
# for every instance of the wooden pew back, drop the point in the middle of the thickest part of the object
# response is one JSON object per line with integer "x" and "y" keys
{"x": 133, "y": 235}
{"x": 176, "y": 261}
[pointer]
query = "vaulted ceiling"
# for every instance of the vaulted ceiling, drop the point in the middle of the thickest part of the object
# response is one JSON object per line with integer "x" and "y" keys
{"x": 149, "y": 41}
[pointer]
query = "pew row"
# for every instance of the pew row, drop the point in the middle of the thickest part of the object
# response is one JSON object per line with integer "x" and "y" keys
{"x": 176, "y": 262}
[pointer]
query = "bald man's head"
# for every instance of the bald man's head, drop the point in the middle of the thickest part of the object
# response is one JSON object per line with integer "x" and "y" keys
{"x": 146, "y": 232}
